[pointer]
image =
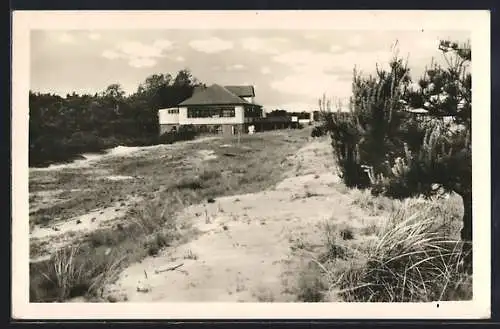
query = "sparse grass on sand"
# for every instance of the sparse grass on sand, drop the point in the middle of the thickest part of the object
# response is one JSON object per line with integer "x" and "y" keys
{"x": 166, "y": 182}
{"x": 414, "y": 255}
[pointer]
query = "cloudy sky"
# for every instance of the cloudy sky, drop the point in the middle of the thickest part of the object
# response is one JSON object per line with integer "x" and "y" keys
{"x": 290, "y": 69}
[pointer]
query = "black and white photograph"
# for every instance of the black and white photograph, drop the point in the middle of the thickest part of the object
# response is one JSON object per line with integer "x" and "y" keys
{"x": 318, "y": 167}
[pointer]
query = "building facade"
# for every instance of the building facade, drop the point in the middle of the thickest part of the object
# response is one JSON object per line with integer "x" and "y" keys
{"x": 214, "y": 109}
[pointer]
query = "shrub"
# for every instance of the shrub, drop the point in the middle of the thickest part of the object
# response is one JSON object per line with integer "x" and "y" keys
{"x": 105, "y": 237}
{"x": 311, "y": 285}
{"x": 210, "y": 174}
{"x": 368, "y": 134}
{"x": 70, "y": 272}
{"x": 318, "y": 131}
{"x": 190, "y": 183}
{"x": 81, "y": 142}
{"x": 155, "y": 243}
{"x": 184, "y": 133}
{"x": 411, "y": 263}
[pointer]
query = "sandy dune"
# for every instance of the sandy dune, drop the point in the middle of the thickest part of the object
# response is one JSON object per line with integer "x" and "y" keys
{"x": 66, "y": 231}
{"x": 244, "y": 252}
{"x": 119, "y": 151}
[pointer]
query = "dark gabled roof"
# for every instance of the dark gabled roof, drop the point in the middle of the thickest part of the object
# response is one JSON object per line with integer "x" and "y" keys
{"x": 197, "y": 89}
{"x": 242, "y": 91}
{"x": 214, "y": 95}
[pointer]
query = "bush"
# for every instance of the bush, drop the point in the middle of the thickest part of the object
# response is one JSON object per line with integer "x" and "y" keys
{"x": 412, "y": 262}
{"x": 210, "y": 174}
{"x": 81, "y": 142}
{"x": 318, "y": 131}
{"x": 155, "y": 243}
{"x": 368, "y": 135}
{"x": 189, "y": 183}
{"x": 184, "y": 133}
{"x": 310, "y": 285}
{"x": 71, "y": 272}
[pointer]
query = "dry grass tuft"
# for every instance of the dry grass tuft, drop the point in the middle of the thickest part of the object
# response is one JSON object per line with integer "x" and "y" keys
{"x": 373, "y": 205}
{"x": 415, "y": 255}
{"x": 70, "y": 273}
{"x": 311, "y": 285}
{"x": 412, "y": 262}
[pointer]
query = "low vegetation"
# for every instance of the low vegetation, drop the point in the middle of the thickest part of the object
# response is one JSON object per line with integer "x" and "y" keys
{"x": 411, "y": 262}
{"x": 414, "y": 255}
{"x": 166, "y": 182}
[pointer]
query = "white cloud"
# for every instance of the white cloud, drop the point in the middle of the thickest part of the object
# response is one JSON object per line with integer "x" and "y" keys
{"x": 139, "y": 54}
{"x": 94, "y": 36}
{"x": 265, "y": 70}
{"x": 236, "y": 67}
{"x": 311, "y": 36}
{"x": 419, "y": 47}
{"x": 163, "y": 44}
{"x": 426, "y": 43}
{"x": 66, "y": 38}
{"x": 312, "y": 85}
{"x": 111, "y": 54}
{"x": 211, "y": 45}
{"x": 313, "y": 73}
{"x": 142, "y": 62}
{"x": 138, "y": 49}
{"x": 263, "y": 45}
{"x": 180, "y": 59}
{"x": 335, "y": 48}
{"x": 355, "y": 41}
{"x": 319, "y": 62}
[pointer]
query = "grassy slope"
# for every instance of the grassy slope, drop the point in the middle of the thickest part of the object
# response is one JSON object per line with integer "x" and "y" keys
{"x": 166, "y": 182}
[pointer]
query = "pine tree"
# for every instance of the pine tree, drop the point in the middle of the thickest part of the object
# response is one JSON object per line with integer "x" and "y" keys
{"x": 365, "y": 138}
{"x": 446, "y": 154}
{"x": 381, "y": 145}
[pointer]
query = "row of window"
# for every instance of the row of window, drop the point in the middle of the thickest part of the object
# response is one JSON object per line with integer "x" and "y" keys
{"x": 220, "y": 112}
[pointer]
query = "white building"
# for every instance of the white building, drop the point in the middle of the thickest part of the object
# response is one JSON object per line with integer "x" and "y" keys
{"x": 216, "y": 108}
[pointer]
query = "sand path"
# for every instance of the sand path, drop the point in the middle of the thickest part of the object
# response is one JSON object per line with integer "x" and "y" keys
{"x": 245, "y": 251}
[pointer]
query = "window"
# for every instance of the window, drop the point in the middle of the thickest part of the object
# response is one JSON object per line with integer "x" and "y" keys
{"x": 211, "y": 112}
{"x": 228, "y": 113}
{"x": 253, "y": 112}
{"x": 173, "y": 111}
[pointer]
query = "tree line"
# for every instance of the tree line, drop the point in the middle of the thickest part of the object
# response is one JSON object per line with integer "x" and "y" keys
{"x": 285, "y": 113}
{"x": 62, "y": 128}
